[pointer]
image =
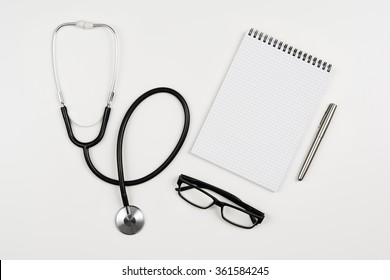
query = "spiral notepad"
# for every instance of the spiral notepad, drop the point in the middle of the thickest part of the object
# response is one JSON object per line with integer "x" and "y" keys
{"x": 262, "y": 109}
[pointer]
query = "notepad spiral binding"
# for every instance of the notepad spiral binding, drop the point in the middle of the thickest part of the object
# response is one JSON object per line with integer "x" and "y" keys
{"x": 289, "y": 49}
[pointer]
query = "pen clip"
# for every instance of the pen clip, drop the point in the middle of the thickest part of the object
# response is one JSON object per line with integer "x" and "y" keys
{"x": 325, "y": 115}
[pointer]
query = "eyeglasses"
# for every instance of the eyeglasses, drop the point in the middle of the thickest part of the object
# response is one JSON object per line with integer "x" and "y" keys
{"x": 242, "y": 215}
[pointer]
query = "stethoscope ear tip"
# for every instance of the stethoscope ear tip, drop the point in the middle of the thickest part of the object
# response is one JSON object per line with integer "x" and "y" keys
{"x": 129, "y": 220}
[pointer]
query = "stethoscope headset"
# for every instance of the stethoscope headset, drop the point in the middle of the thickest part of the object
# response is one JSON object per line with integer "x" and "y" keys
{"x": 129, "y": 219}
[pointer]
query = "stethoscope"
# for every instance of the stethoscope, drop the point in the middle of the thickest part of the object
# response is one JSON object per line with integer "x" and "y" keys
{"x": 129, "y": 219}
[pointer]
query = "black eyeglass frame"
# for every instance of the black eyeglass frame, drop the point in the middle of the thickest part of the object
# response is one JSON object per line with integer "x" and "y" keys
{"x": 256, "y": 216}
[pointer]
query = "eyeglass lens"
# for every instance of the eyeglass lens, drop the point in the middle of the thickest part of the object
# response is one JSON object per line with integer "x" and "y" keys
{"x": 196, "y": 197}
{"x": 229, "y": 213}
{"x": 236, "y": 216}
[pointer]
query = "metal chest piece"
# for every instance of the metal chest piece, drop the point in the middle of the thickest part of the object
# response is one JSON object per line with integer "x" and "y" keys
{"x": 129, "y": 220}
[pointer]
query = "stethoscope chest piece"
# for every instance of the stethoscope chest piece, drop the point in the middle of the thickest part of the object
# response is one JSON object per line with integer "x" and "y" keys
{"x": 129, "y": 220}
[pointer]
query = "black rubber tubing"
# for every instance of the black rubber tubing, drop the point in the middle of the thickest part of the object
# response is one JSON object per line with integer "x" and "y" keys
{"x": 121, "y": 182}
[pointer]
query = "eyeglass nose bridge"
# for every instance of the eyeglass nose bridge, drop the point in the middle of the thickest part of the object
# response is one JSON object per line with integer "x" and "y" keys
{"x": 218, "y": 203}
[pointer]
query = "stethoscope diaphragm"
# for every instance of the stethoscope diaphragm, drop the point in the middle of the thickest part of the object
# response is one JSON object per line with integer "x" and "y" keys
{"x": 129, "y": 220}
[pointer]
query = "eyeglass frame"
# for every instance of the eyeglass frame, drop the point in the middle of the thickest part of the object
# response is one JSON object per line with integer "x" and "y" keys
{"x": 255, "y": 215}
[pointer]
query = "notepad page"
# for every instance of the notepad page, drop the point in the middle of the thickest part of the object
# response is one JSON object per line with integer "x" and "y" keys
{"x": 260, "y": 113}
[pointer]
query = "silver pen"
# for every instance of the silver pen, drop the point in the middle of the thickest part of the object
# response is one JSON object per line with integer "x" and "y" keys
{"x": 325, "y": 121}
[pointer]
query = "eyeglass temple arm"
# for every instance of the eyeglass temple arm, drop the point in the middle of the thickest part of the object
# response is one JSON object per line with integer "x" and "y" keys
{"x": 231, "y": 197}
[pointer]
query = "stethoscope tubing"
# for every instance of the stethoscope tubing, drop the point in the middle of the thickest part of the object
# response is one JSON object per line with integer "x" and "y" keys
{"x": 85, "y": 146}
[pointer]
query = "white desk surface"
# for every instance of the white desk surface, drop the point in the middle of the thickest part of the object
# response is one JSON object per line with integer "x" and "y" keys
{"x": 53, "y": 207}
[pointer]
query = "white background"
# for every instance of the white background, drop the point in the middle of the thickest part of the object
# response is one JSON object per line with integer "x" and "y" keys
{"x": 52, "y": 206}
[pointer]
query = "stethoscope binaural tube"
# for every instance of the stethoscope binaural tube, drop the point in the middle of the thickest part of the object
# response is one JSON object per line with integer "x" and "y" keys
{"x": 87, "y": 26}
{"x": 129, "y": 219}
